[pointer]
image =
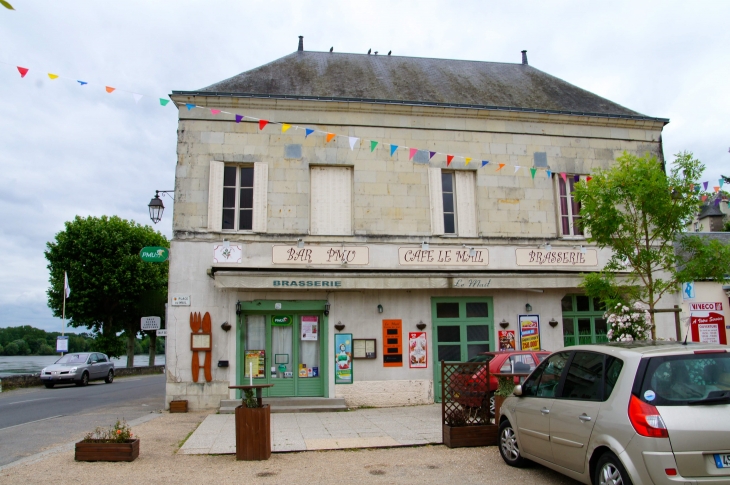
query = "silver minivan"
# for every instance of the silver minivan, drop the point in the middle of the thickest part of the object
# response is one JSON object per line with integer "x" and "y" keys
{"x": 623, "y": 413}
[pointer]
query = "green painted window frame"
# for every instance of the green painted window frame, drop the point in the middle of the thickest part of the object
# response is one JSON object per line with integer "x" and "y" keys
{"x": 593, "y": 313}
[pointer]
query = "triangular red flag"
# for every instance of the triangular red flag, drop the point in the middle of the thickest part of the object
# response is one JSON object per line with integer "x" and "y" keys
{"x": 589, "y": 178}
{"x": 412, "y": 152}
{"x": 23, "y": 71}
{"x": 262, "y": 124}
{"x": 448, "y": 159}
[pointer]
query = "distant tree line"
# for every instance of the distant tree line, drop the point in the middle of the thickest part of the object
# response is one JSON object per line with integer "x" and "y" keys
{"x": 27, "y": 340}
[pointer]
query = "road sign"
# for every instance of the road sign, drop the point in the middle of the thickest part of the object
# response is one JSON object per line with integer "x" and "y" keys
{"x": 162, "y": 332}
{"x": 154, "y": 254}
{"x": 180, "y": 300}
{"x": 61, "y": 344}
{"x": 688, "y": 291}
{"x": 151, "y": 323}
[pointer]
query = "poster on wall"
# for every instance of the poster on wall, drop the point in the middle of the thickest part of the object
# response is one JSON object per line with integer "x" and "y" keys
{"x": 392, "y": 343}
{"x": 417, "y": 350}
{"x": 254, "y": 360}
{"x": 707, "y": 323}
{"x": 309, "y": 327}
{"x": 529, "y": 332}
{"x": 506, "y": 340}
{"x": 343, "y": 358}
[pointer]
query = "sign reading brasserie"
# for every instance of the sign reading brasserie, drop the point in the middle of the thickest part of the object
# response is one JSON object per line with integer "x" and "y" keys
{"x": 443, "y": 256}
{"x": 556, "y": 257}
{"x": 353, "y": 255}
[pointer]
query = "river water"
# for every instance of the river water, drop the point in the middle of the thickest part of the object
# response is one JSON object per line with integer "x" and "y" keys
{"x": 32, "y": 364}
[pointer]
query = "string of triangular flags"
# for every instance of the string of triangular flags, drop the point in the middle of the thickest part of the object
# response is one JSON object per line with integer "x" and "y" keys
{"x": 109, "y": 89}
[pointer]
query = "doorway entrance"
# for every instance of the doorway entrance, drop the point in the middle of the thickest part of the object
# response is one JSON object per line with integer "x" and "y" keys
{"x": 462, "y": 329}
{"x": 283, "y": 343}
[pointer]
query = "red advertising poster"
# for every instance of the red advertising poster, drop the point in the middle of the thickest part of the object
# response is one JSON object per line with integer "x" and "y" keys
{"x": 507, "y": 340}
{"x": 707, "y": 323}
{"x": 529, "y": 332}
{"x": 417, "y": 350}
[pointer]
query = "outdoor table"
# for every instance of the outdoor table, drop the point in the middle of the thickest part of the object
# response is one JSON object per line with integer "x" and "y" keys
{"x": 258, "y": 388}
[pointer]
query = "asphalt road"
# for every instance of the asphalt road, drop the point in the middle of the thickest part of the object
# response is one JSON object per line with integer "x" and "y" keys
{"x": 32, "y": 420}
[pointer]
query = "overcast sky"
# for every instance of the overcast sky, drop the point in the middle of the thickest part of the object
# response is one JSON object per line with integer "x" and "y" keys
{"x": 68, "y": 150}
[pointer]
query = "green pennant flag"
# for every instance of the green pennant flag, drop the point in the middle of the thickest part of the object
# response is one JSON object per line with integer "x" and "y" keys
{"x": 532, "y": 171}
{"x": 373, "y": 144}
{"x": 164, "y": 102}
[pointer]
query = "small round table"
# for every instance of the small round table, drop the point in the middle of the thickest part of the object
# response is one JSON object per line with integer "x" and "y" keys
{"x": 258, "y": 388}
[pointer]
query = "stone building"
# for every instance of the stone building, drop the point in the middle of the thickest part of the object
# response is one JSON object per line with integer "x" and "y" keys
{"x": 335, "y": 266}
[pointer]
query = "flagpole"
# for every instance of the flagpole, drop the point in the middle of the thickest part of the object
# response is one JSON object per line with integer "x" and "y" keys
{"x": 63, "y": 330}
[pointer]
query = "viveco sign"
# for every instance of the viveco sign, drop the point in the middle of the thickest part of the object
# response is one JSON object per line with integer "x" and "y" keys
{"x": 154, "y": 254}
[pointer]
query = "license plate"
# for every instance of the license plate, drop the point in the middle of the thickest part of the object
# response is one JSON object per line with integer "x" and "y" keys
{"x": 722, "y": 461}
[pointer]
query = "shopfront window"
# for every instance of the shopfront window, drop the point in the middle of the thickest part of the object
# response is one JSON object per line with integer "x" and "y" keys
{"x": 583, "y": 320}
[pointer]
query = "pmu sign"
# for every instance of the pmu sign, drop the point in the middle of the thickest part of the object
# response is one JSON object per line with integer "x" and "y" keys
{"x": 154, "y": 254}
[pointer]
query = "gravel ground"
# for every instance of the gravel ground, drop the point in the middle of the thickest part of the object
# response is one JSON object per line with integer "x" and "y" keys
{"x": 159, "y": 462}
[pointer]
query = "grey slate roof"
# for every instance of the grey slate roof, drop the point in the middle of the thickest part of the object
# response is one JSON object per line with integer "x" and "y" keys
{"x": 710, "y": 209}
{"x": 362, "y": 77}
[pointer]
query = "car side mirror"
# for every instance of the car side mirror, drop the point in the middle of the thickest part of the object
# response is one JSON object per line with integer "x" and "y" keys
{"x": 518, "y": 390}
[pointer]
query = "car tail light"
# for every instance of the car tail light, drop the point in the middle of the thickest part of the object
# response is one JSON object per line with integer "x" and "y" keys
{"x": 646, "y": 419}
{"x": 672, "y": 472}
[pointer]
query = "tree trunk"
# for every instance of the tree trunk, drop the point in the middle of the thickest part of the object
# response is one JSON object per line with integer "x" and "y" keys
{"x": 153, "y": 348}
{"x": 130, "y": 349}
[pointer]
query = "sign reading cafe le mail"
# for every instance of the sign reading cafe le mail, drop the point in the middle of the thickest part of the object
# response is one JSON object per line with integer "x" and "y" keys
{"x": 442, "y": 256}
{"x": 351, "y": 255}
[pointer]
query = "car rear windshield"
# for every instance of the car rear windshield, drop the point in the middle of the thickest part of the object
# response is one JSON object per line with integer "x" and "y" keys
{"x": 72, "y": 359}
{"x": 679, "y": 380}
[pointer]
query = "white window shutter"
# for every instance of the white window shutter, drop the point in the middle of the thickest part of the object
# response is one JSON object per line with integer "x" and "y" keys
{"x": 215, "y": 196}
{"x": 260, "y": 196}
{"x": 466, "y": 213}
{"x": 437, "y": 201}
{"x": 331, "y": 201}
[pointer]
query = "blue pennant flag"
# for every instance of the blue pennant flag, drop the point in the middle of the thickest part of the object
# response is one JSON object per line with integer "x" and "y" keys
{"x": 190, "y": 106}
{"x": 549, "y": 173}
{"x": 82, "y": 82}
{"x": 393, "y": 148}
{"x": 308, "y": 132}
{"x": 484, "y": 163}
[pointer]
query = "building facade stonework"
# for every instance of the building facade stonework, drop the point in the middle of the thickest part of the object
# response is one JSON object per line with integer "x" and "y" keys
{"x": 271, "y": 223}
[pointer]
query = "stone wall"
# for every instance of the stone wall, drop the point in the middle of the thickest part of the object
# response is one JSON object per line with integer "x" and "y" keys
{"x": 384, "y": 394}
{"x": 31, "y": 380}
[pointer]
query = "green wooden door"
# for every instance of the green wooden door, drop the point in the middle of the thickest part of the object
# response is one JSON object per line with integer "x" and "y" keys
{"x": 462, "y": 329}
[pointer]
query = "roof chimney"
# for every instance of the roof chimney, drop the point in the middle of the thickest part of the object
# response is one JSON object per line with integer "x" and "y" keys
{"x": 524, "y": 54}
{"x": 301, "y": 48}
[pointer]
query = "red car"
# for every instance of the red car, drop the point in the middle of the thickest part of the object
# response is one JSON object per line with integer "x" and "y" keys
{"x": 474, "y": 388}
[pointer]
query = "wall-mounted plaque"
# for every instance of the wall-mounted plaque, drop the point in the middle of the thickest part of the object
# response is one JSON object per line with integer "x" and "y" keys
{"x": 443, "y": 256}
{"x": 556, "y": 257}
{"x": 339, "y": 255}
{"x": 200, "y": 341}
{"x": 363, "y": 348}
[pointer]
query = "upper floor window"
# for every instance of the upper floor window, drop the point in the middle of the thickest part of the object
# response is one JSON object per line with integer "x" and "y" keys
{"x": 237, "y": 197}
{"x": 569, "y": 208}
{"x": 331, "y": 201}
{"x": 453, "y": 204}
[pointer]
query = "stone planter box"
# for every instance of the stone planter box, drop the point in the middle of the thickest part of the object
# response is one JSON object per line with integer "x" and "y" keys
{"x": 463, "y": 436}
{"x": 179, "y": 406}
{"x": 100, "y": 451}
{"x": 253, "y": 433}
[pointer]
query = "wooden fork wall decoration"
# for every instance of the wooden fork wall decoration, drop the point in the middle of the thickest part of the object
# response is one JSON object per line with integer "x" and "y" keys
{"x": 201, "y": 341}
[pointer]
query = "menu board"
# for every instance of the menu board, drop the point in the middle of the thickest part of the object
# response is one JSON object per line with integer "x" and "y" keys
{"x": 392, "y": 344}
{"x": 363, "y": 348}
{"x": 254, "y": 363}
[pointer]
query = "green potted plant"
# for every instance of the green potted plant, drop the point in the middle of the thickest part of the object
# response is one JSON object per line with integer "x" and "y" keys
{"x": 116, "y": 443}
{"x": 505, "y": 387}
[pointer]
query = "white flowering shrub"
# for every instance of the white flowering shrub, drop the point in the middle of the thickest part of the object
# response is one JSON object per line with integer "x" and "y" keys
{"x": 627, "y": 324}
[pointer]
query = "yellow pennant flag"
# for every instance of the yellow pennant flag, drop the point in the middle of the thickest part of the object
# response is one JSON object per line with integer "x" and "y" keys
{"x": 330, "y": 136}
{"x": 467, "y": 161}
{"x": 53, "y": 76}
{"x": 284, "y": 127}
{"x": 501, "y": 166}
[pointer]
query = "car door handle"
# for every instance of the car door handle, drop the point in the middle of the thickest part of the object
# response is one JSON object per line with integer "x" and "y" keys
{"x": 584, "y": 417}
{"x": 545, "y": 411}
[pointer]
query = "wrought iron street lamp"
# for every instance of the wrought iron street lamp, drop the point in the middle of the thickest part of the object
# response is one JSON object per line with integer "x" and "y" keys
{"x": 156, "y": 206}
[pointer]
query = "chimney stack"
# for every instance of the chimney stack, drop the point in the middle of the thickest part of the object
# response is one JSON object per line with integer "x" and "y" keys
{"x": 301, "y": 48}
{"x": 524, "y": 54}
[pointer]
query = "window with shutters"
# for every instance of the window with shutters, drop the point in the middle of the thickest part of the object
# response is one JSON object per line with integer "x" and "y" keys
{"x": 453, "y": 204}
{"x": 569, "y": 209}
{"x": 237, "y": 198}
{"x": 331, "y": 201}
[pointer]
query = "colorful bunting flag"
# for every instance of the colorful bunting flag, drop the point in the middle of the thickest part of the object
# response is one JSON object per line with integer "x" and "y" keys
{"x": 501, "y": 166}
{"x": 411, "y": 153}
{"x": 215, "y": 111}
{"x": 330, "y": 137}
{"x": 110, "y": 89}
{"x": 307, "y": 132}
{"x": 485, "y": 163}
{"x": 373, "y": 144}
{"x": 136, "y": 97}
{"x": 393, "y": 148}
{"x": 589, "y": 178}
{"x": 517, "y": 168}
{"x": 467, "y": 161}
{"x": 704, "y": 184}
{"x": 448, "y": 159}
{"x": 238, "y": 117}
{"x": 549, "y": 173}
{"x": 189, "y": 106}
{"x": 717, "y": 201}
{"x": 431, "y": 154}
{"x": 53, "y": 76}
{"x": 691, "y": 187}
{"x": 23, "y": 71}
{"x": 721, "y": 182}
{"x": 704, "y": 198}
{"x": 262, "y": 124}
{"x": 82, "y": 82}
{"x": 532, "y": 172}
{"x": 285, "y": 127}
{"x": 717, "y": 189}
{"x": 576, "y": 178}
{"x": 353, "y": 140}
{"x": 164, "y": 102}
{"x": 564, "y": 176}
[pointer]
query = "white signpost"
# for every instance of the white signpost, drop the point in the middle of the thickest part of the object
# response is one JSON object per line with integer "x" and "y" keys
{"x": 151, "y": 323}
{"x": 162, "y": 332}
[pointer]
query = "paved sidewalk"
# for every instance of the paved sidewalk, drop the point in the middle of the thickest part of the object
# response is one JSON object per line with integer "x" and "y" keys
{"x": 364, "y": 428}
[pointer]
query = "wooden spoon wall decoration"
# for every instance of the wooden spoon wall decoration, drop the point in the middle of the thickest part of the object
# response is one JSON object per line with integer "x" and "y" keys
{"x": 201, "y": 327}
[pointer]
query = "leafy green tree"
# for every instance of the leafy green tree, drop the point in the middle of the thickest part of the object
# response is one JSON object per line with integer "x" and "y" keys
{"x": 23, "y": 347}
{"x": 11, "y": 349}
{"x": 2, "y": 350}
{"x": 46, "y": 349}
{"x": 639, "y": 212}
{"x": 108, "y": 279}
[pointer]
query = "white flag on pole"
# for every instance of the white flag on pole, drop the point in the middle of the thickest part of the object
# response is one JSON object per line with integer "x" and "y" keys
{"x": 66, "y": 288}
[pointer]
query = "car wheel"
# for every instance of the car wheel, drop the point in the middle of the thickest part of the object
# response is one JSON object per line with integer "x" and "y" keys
{"x": 84, "y": 380}
{"x": 49, "y": 385}
{"x": 508, "y": 447}
{"x": 109, "y": 377}
{"x": 610, "y": 471}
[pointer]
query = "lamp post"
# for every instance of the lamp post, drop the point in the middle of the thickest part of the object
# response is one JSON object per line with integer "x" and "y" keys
{"x": 156, "y": 206}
